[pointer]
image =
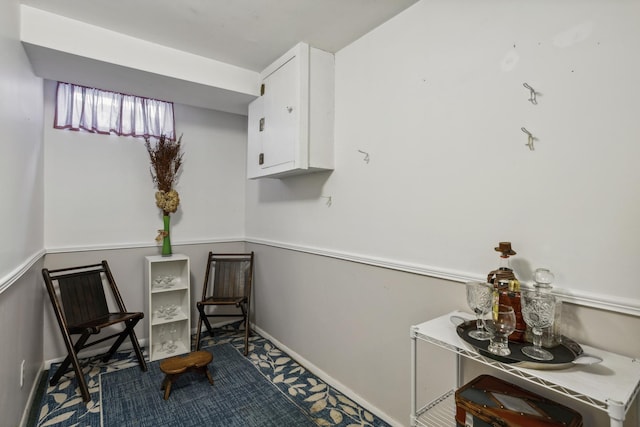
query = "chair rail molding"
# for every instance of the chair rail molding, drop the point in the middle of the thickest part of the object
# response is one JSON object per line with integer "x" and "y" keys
{"x": 139, "y": 245}
{"x": 601, "y": 301}
{"x": 18, "y": 272}
{"x": 573, "y": 296}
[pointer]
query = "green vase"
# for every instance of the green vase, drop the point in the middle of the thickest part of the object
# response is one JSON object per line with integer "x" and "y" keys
{"x": 166, "y": 240}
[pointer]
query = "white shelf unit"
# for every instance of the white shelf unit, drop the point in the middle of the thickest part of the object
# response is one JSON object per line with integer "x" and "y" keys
{"x": 168, "y": 287}
{"x": 613, "y": 392}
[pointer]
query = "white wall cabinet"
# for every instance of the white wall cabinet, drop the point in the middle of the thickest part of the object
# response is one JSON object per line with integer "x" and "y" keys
{"x": 290, "y": 126}
{"x": 169, "y": 305}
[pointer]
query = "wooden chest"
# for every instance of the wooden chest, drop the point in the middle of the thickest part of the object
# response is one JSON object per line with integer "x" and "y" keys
{"x": 491, "y": 402}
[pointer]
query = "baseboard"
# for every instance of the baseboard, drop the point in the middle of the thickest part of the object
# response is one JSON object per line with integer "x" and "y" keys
{"x": 329, "y": 379}
{"x": 32, "y": 394}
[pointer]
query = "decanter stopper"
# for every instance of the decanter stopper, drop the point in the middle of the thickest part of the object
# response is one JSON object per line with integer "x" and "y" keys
{"x": 543, "y": 278}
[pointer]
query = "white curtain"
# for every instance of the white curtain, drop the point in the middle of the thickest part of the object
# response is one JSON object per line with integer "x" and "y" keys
{"x": 101, "y": 111}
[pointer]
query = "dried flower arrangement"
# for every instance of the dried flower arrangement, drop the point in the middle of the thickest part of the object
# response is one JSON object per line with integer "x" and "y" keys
{"x": 166, "y": 160}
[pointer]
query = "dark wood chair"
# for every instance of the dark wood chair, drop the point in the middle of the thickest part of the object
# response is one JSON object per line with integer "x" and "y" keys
{"x": 80, "y": 305}
{"x": 227, "y": 282}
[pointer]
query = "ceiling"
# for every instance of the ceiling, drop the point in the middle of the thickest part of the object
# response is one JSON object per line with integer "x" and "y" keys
{"x": 246, "y": 33}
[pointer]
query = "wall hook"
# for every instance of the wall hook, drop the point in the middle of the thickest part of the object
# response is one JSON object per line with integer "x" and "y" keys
{"x": 530, "y": 139}
{"x": 366, "y": 155}
{"x": 532, "y": 94}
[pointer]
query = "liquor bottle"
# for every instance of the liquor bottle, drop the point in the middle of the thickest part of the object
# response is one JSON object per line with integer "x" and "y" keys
{"x": 506, "y": 289}
{"x": 509, "y": 294}
{"x": 504, "y": 271}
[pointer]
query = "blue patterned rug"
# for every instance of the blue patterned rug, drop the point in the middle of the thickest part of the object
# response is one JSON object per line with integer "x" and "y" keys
{"x": 240, "y": 397}
{"x": 62, "y": 405}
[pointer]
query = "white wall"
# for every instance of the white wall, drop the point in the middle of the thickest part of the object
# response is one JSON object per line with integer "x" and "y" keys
{"x": 21, "y": 162}
{"x": 99, "y": 201}
{"x": 99, "y": 191}
{"x": 436, "y": 97}
{"x": 349, "y": 323}
{"x": 21, "y": 192}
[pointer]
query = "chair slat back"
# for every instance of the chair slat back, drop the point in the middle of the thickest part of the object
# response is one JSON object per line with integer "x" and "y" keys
{"x": 231, "y": 277}
{"x": 83, "y": 298}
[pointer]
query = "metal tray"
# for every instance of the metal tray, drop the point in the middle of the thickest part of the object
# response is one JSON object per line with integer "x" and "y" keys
{"x": 565, "y": 355}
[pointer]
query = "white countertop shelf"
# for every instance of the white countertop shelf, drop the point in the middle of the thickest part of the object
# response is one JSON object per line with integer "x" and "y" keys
{"x": 177, "y": 316}
{"x": 610, "y": 386}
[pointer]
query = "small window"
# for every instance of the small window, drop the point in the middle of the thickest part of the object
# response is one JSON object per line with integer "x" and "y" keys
{"x": 101, "y": 111}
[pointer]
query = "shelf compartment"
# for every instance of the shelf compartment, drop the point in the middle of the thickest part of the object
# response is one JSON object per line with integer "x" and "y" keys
{"x": 179, "y": 286}
{"x": 158, "y": 353}
{"x": 178, "y": 316}
{"x": 438, "y": 413}
{"x": 533, "y": 376}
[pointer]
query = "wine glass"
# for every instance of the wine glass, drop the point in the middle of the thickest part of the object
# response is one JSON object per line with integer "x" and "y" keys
{"x": 500, "y": 322}
{"x": 479, "y": 298}
{"x": 162, "y": 311}
{"x": 162, "y": 333}
{"x": 538, "y": 311}
{"x": 172, "y": 342}
{"x": 170, "y": 311}
{"x": 169, "y": 280}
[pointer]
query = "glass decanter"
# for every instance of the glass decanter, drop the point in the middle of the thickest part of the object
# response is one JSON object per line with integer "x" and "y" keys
{"x": 551, "y": 336}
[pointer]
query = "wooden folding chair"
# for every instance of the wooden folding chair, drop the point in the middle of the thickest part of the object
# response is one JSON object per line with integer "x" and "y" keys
{"x": 80, "y": 305}
{"x": 227, "y": 282}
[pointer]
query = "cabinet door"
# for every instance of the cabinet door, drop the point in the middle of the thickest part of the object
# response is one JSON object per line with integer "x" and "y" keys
{"x": 254, "y": 137}
{"x": 281, "y": 105}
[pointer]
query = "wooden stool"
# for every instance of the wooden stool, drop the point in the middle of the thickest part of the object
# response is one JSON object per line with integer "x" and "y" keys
{"x": 178, "y": 365}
